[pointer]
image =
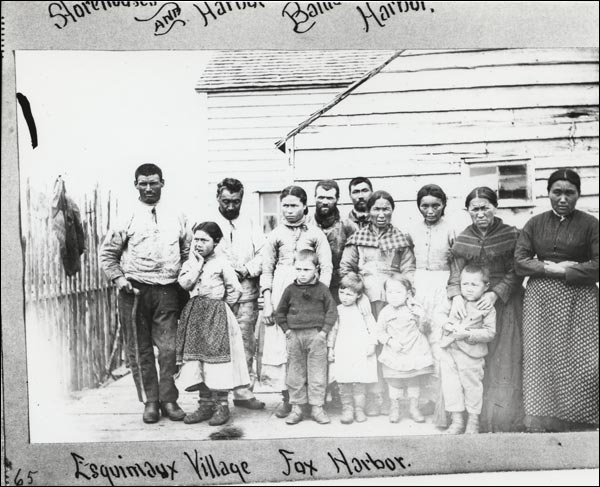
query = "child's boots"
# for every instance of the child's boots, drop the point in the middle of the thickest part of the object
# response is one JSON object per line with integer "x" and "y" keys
{"x": 347, "y": 406}
{"x": 360, "y": 400}
{"x": 458, "y": 424}
{"x": 394, "y": 411}
{"x": 472, "y": 424}
{"x": 221, "y": 411}
{"x": 205, "y": 409}
{"x": 374, "y": 404}
{"x": 285, "y": 408}
{"x": 413, "y": 409}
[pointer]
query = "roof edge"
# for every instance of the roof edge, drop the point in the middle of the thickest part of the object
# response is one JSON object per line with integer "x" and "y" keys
{"x": 280, "y": 144}
{"x": 306, "y": 86}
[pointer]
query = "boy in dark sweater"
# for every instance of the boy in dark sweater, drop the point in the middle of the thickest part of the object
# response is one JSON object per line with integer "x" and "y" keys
{"x": 306, "y": 313}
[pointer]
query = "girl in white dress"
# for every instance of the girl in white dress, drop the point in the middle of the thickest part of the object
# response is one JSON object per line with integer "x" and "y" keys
{"x": 351, "y": 348}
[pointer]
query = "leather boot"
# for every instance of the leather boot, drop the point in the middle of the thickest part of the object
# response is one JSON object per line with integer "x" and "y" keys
{"x": 347, "y": 406}
{"x": 172, "y": 411}
{"x": 413, "y": 409}
{"x": 285, "y": 408}
{"x": 319, "y": 415}
{"x": 295, "y": 416}
{"x": 472, "y": 424}
{"x": 221, "y": 410}
{"x": 205, "y": 410}
{"x": 151, "y": 414}
{"x": 359, "y": 408}
{"x": 457, "y": 426}
{"x": 374, "y": 403}
{"x": 394, "y": 411}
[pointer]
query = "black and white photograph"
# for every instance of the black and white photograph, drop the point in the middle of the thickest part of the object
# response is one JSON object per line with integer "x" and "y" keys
{"x": 287, "y": 263}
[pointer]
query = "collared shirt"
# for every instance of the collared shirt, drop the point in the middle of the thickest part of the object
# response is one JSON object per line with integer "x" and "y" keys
{"x": 548, "y": 237}
{"x": 433, "y": 244}
{"x": 147, "y": 246}
{"x": 241, "y": 245}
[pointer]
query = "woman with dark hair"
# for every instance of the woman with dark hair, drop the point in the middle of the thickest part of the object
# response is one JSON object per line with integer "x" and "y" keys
{"x": 558, "y": 250}
{"x": 292, "y": 235}
{"x": 490, "y": 243}
{"x": 433, "y": 238}
{"x": 376, "y": 252}
{"x": 209, "y": 340}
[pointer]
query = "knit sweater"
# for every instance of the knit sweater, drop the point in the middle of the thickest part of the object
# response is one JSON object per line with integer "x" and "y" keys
{"x": 306, "y": 306}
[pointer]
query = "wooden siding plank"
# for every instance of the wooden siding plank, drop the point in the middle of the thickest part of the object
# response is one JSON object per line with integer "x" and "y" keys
{"x": 220, "y": 153}
{"x": 416, "y": 60}
{"x": 510, "y": 75}
{"x": 461, "y": 117}
{"x": 403, "y": 135}
{"x": 469, "y": 99}
{"x": 288, "y": 122}
{"x": 246, "y": 133}
{"x": 264, "y": 111}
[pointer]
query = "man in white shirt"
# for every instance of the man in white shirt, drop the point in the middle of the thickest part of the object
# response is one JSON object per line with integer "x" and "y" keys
{"x": 241, "y": 244}
{"x": 142, "y": 255}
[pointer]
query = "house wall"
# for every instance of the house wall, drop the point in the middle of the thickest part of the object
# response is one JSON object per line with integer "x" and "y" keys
{"x": 427, "y": 114}
{"x": 242, "y": 130}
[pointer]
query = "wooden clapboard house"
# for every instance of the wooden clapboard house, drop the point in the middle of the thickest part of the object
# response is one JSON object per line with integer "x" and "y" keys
{"x": 254, "y": 97}
{"x": 504, "y": 118}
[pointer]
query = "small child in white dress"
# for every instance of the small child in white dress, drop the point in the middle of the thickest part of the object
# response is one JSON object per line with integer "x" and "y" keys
{"x": 351, "y": 348}
{"x": 406, "y": 355}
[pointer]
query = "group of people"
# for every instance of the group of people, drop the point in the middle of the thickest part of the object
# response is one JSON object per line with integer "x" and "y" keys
{"x": 362, "y": 311}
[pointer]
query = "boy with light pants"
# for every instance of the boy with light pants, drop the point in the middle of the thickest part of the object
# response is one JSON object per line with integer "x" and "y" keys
{"x": 463, "y": 350}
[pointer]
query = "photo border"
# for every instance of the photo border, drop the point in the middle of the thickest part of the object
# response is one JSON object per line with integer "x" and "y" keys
{"x": 27, "y": 26}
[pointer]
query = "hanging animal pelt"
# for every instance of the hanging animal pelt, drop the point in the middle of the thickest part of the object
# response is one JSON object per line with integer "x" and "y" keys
{"x": 227, "y": 433}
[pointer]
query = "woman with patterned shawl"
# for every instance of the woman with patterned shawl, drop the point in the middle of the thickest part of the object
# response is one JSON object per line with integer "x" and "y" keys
{"x": 558, "y": 250}
{"x": 491, "y": 243}
{"x": 377, "y": 252}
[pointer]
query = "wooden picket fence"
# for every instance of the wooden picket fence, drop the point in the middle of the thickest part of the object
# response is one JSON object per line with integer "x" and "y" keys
{"x": 76, "y": 315}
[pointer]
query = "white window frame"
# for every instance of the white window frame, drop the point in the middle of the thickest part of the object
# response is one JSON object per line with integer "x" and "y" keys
{"x": 468, "y": 164}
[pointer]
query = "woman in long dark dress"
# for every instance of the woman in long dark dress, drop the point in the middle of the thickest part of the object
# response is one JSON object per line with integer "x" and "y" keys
{"x": 558, "y": 250}
{"x": 491, "y": 243}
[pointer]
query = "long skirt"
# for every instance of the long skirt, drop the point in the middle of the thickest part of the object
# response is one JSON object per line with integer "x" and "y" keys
{"x": 272, "y": 352}
{"x": 502, "y": 381}
{"x": 560, "y": 328}
{"x": 220, "y": 376}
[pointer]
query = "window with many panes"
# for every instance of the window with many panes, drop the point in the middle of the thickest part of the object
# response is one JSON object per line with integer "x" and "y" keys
{"x": 512, "y": 180}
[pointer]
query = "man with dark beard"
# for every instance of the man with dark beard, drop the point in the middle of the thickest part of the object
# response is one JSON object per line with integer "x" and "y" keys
{"x": 360, "y": 189}
{"x": 327, "y": 218}
{"x": 241, "y": 243}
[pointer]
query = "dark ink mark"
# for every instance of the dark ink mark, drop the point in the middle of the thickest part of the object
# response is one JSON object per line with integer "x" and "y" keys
{"x": 432, "y": 10}
{"x": 559, "y": 443}
{"x": 26, "y": 107}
